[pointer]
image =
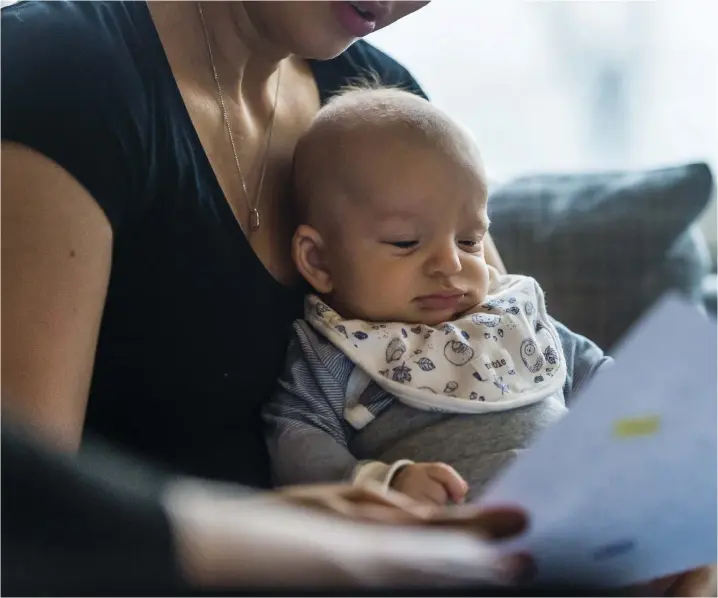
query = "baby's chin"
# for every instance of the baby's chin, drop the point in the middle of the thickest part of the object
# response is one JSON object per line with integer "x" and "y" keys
{"x": 413, "y": 314}
{"x": 435, "y": 318}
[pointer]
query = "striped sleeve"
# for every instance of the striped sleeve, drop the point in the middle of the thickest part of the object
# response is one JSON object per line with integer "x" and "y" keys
{"x": 307, "y": 435}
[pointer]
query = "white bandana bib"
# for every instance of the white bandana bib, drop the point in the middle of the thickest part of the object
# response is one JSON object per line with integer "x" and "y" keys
{"x": 503, "y": 354}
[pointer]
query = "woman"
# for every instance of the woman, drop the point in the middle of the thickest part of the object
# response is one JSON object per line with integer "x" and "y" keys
{"x": 148, "y": 288}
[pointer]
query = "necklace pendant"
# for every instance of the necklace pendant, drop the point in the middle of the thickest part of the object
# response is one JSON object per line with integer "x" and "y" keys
{"x": 254, "y": 220}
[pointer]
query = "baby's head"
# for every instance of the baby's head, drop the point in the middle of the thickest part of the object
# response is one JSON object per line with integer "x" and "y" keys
{"x": 391, "y": 198}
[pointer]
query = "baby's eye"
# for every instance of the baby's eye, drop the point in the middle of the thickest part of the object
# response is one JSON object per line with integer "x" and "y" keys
{"x": 403, "y": 244}
{"x": 470, "y": 244}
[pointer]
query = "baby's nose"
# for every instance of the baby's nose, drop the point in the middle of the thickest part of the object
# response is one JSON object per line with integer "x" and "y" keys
{"x": 445, "y": 261}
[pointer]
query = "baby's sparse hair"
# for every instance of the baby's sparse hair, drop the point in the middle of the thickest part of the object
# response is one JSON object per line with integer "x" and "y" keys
{"x": 364, "y": 104}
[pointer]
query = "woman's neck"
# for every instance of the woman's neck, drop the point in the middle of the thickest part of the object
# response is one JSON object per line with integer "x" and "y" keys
{"x": 244, "y": 58}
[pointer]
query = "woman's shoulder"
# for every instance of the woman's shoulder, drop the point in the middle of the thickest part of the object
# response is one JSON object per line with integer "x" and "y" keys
{"x": 74, "y": 84}
{"x": 362, "y": 60}
{"x": 71, "y": 48}
{"x": 88, "y": 31}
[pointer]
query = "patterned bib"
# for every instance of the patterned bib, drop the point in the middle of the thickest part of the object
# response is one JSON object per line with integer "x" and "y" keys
{"x": 503, "y": 354}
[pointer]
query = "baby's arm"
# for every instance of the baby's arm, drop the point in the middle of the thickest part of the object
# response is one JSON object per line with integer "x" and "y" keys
{"x": 307, "y": 435}
{"x": 309, "y": 457}
{"x": 583, "y": 360}
{"x": 304, "y": 450}
{"x": 309, "y": 445}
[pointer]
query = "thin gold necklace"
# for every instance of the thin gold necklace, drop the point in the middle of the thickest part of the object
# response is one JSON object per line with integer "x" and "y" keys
{"x": 254, "y": 220}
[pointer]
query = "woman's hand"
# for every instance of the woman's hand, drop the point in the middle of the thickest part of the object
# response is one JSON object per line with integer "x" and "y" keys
{"x": 372, "y": 504}
{"x": 361, "y": 503}
{"x": 697, "y": 582}
{"x": 335, "y": 536}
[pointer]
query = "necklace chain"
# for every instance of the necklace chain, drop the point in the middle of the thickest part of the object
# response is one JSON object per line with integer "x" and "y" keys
{"x": 254, "y": 220}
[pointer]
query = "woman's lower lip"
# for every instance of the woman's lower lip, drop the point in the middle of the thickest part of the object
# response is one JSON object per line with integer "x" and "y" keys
{"x": 350, "y": 20}
{"x": 439, "y": 302}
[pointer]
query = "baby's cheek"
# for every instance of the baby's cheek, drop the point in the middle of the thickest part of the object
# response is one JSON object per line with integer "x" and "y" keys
{"x": 385, "y": 292}
{"x": 364, "y": 287}
{"x": 380, "y": 286}
{"x": 478, "y": 273}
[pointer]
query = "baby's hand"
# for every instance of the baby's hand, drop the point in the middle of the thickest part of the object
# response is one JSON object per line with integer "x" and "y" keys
{"x": 435, "y": 483}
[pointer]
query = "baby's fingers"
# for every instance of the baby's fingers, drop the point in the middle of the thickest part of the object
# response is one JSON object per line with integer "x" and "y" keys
{"x": 456, "y": 487}
{"x": 433, "y": 492}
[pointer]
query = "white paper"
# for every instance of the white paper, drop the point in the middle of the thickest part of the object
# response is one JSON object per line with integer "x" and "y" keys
{"x": 623, "y": 489}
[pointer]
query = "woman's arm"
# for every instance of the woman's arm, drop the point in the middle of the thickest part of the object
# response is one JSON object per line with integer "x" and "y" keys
{"x": 108, "y": 523}
{"x": 56, "y": 255}
{"x": 492, "y": 254}
{"x": 85, "y": 525}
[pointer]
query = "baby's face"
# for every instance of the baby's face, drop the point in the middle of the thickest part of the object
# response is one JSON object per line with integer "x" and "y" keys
{"x": 406, "y": 238}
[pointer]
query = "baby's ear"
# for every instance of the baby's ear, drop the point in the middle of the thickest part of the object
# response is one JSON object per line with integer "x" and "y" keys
{"x": 308, "y": 255}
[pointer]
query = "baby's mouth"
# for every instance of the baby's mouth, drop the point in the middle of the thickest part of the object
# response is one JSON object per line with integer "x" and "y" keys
{"x": 440, "y": 301}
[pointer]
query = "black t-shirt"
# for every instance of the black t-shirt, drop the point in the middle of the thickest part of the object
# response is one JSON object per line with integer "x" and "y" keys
{"x": 195, "y": 329}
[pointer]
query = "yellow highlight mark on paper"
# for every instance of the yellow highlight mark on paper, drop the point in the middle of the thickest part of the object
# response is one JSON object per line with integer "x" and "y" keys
{"x": 636, "y": 426}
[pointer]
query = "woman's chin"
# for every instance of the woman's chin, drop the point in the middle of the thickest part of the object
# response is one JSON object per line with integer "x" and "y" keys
{"x": 324, "y": 47}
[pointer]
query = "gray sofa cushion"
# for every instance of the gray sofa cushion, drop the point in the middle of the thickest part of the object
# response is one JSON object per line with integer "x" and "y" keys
{"x": 604, "y": 245}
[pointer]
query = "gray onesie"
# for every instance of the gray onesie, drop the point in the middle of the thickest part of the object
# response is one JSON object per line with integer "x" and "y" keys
{"x": 310, "y": 440}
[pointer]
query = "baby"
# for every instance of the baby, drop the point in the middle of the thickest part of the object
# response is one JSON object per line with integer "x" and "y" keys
{"x": 417, "y": 365}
